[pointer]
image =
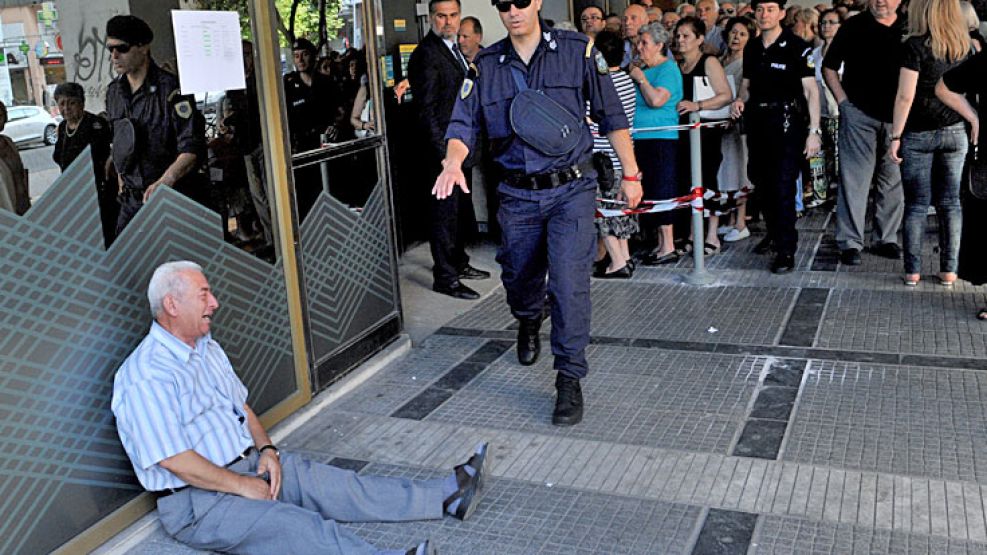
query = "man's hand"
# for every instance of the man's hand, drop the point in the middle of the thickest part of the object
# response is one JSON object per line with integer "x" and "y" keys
{"x": 452, "y": 175}
{"x": 893, "y": 151}
{"x": 271, "y": 464}
{"x": 401, "y": 88}
{"x": 154, "y": 187}
{"x": 254, "y": 488}
{"x": 631, "y": 192}
{"x": 813, "y": 143}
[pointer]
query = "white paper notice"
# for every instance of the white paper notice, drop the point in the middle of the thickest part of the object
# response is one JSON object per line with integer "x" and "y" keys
{"x": 209, "y": 50}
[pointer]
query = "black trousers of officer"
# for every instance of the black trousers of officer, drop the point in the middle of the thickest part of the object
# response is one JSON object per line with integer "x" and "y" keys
{"x": 775, "y": 141}
{"x": 453, "y": 223}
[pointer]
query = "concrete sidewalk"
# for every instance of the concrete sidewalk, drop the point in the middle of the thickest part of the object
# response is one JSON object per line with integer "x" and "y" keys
{"x": 831, "y": 410}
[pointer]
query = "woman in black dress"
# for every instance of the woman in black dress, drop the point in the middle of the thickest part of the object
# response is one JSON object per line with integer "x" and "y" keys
{"x": 80, "y": 129}
{"x": 970, "y": 78}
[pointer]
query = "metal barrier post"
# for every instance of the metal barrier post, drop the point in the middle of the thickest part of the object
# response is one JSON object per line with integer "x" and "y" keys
{"x": 698, "y": 275}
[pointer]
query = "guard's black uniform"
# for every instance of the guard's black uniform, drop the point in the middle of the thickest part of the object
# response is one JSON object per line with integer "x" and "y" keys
{"x": 776, "y": 119}
{"x": 93, "y": 132}
{"x": 310, "y": 109}
{"x": 165, "y": 123}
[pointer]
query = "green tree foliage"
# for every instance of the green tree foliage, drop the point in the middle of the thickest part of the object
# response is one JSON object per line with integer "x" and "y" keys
{"x": 306, "y": 17}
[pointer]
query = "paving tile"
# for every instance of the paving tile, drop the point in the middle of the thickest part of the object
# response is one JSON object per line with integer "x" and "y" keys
{"x": 726, "y": 533}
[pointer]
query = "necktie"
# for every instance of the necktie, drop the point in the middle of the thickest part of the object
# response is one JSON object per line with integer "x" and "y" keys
{"x": 459, "y": 55}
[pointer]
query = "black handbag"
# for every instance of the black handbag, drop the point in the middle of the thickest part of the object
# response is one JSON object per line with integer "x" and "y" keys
{"x": 976, "y": 167}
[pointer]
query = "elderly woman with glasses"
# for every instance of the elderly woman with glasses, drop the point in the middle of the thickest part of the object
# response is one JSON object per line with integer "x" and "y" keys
{"x": 659, "y": 90}
{"x": 80, "y": 129}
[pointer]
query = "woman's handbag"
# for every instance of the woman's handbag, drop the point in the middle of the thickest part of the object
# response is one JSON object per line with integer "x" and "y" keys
{"x": 702, "y": 90}
{"x": 977, "y": 173}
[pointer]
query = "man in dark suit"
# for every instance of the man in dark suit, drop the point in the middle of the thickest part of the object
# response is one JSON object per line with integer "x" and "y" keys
{"x": 436, "y": 72}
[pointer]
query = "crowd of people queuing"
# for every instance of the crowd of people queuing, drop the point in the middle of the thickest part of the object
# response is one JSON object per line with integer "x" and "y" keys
{"x": 888, "y": 122}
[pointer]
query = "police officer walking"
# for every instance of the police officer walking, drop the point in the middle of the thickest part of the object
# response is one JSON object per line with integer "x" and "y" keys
{"x": 527, "y": 94}
{"x": 779, "y": 101}
{"x": 157, "y": 141}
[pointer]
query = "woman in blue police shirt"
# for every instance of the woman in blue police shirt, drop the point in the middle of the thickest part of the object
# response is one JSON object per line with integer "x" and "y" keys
{"x": 547, "y": 194}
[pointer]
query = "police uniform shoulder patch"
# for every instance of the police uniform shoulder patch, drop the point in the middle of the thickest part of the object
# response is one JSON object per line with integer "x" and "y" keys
{"x": 601, "y": 64}
{"x": 467, "y": 89}
{"x": 183, "y": 109}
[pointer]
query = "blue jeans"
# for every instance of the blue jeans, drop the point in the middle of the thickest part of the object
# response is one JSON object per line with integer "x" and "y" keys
{"x": 931, "y": 170}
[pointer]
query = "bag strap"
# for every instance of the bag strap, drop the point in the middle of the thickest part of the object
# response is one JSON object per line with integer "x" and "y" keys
{"x": 519, "y": 80}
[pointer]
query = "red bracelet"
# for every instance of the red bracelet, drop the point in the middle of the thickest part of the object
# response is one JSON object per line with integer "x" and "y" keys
{"x": 629, "y": 178}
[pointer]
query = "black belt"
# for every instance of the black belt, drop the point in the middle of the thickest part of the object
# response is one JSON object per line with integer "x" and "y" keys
{"x": 171, "y": 491}
{"x": 551, "y": 180}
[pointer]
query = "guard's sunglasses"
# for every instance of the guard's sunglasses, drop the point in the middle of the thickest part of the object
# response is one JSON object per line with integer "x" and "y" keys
{"x": 122, "y": 48}
{"x": 505, "y": 7}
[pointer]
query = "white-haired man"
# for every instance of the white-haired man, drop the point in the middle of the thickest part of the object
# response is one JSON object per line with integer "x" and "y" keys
{"x": 183, "y": 418}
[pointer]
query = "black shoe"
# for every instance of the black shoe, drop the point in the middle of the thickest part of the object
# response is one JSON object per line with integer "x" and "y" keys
{"x": 469, "y": 272}
{"x": 764, "y": 246}
{"x": 783, "y": 264}
{"x": 886, "y": 250}
{"x": 470, "y": 487}
{"x": 457, "y": 291}
{"x": 528, "y": 342}
{"x": 424, "y": 548}
{"x": 624, "y": 272}
{"x": 667, "y": 258}
{"x": 600, "y": 265}
{"x": 569, "y": 402}
{"x": 850, "y": 257}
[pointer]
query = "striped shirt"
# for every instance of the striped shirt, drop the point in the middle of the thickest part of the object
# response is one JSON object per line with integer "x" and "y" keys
{"x": 169, "y": 398}
{"x": 625, "y": 91}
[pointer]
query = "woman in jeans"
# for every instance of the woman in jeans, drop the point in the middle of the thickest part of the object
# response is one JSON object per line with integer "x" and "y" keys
{"x": 927, "y": 137}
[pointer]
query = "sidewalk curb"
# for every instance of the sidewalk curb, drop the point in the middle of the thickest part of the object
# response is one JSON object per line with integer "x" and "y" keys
{"x": 149, "y": 523}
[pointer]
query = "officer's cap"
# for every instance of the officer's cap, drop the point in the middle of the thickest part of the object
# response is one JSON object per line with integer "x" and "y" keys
{"x": 303, "y": 44}
{"x": 70, "y": 90}
{"x": 781, "y": 3}
{"x": 130, "y": 29}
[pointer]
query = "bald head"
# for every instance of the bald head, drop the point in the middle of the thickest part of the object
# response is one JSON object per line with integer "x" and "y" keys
{"x": 634, "y": 17}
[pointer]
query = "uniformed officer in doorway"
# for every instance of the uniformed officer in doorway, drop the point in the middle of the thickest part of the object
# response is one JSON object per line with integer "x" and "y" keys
{"x": 779, "y": 101}
{"x": 158, "y": 135}
{"x": 527, "y": 94}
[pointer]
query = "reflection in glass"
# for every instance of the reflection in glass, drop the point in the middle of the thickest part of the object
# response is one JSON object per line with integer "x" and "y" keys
{"x": 14, "y": 195}
{"x": 349, "y": 179}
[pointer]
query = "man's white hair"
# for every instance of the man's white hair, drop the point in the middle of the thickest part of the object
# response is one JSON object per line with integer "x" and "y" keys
{"x": 168, "y": 280}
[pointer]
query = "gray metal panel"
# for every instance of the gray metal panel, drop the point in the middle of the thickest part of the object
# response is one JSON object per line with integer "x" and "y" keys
{"x": 70, "y": 312}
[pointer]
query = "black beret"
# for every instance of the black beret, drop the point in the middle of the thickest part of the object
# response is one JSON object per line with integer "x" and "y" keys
{"x": 781, "y": 3}
{"x": 130, "y": 29}
{"x": 303, "y": 44}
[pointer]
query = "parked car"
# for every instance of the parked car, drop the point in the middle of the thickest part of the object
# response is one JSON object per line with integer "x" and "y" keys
{"x": 30, "y": 124}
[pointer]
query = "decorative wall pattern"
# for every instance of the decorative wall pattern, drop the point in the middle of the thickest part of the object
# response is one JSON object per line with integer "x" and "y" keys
{"x": 347, "y": 268}
{"x": 70, "y": 312}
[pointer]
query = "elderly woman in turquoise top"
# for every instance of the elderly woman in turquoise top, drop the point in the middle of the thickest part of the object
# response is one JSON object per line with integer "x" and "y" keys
{"x": 659, "y": 90}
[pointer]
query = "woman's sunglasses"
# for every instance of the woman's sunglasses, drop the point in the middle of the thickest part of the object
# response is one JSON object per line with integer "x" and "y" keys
{"x": 505, "y": 7}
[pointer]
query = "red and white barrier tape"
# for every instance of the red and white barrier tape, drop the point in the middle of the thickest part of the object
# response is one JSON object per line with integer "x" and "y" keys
{"x": 695, "y": 199}
{"x": 682, "y": 127}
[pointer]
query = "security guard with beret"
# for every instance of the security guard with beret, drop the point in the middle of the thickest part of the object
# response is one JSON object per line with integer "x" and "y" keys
{"x": 527, "y": 94}
{"x": 778, "y": 98}
{"x": 158, "y": 135}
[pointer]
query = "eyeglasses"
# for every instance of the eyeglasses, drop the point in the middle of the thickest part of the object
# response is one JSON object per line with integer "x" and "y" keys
{"x": 504, "y": 7}
{"x": 122, "y": 48}
{"x": 586, "y": 18}
{"x": 825, "y": 22}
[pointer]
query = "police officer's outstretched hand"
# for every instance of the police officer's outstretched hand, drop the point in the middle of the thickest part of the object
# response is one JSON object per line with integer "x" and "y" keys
{"x": 451, "y": 176}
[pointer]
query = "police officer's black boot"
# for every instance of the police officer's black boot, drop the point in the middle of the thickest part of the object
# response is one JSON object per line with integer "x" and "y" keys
{"x": 528, "y": 342}
{"x": 569, "y": 402}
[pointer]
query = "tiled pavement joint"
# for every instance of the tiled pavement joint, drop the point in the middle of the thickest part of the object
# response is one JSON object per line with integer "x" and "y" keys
{"x": 725, "y": 533}
{"x": 771, "y": 409}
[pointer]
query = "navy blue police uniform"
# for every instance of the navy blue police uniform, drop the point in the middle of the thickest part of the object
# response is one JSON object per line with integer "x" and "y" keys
{"x": 776, "y": 120}
{"x": 546, "y": 197}
{"x": 160, "y": 123}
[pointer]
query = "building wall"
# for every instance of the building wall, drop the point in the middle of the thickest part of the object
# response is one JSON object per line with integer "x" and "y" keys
{"x": 26, "y": 16}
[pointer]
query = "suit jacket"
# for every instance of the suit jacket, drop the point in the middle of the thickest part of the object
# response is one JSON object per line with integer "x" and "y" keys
{"x": 436, "y": 77}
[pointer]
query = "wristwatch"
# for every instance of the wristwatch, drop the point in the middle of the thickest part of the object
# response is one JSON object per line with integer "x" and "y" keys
{"x": 816, "y": 131}
{"x": 277, "y": 453}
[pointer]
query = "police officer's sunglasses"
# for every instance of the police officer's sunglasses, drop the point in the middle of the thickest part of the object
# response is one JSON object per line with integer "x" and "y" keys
{"x": 505, "y": 7}
{"x": 122, "y": 48}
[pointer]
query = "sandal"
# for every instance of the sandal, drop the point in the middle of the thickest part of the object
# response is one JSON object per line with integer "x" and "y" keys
{"x": 710, "y": 249}
{"x": 947, "y": 279}
{"x": 982, "y": 314}
{"x": 911, "y": 280}
{"x": 470, "y": 485}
